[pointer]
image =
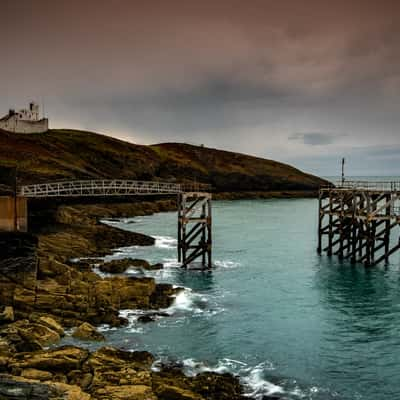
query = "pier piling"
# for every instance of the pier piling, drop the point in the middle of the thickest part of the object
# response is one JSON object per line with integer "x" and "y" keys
{"x": 359, "y": 221}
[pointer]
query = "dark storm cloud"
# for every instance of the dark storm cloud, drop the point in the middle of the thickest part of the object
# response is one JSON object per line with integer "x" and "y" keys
{"x": 233, "y": 74}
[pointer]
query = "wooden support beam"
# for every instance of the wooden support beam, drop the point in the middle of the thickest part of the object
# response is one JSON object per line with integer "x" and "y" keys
{"x": 194, "y": 229}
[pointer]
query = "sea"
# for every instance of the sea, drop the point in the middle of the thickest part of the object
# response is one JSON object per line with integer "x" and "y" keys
{"x": 287, "y": 321}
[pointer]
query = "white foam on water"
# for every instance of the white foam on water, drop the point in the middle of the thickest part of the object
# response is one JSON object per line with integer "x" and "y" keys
{"x": 258, "y": 386}
{"x": 171, "y": 263}
{"x": 106, "y": 328}
{"x": 165, "y": 242}
{"x": 251, "y": 377}
{"x": 226, "y": 264}
{"x": 185, "y": 300}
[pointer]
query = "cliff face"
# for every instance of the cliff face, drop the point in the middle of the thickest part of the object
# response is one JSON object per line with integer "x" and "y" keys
{"x": 67, "y": 154}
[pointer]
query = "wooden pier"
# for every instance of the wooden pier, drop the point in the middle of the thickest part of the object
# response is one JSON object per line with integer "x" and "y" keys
{"x": 360, "y": 221}
{"x": 194, "y": 229}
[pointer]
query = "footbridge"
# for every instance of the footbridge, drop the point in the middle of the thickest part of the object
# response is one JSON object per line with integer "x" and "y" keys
{"x": 194, "y": 208}
{"x": 108, "y": 187}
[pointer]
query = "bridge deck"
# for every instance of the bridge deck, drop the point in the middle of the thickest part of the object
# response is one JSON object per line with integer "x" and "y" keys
{"x": 114, "y": 187}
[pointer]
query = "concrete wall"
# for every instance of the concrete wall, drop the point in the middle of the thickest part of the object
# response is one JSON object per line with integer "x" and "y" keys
{"x": 14, "y": 124}
{"x": 7, "y": 214}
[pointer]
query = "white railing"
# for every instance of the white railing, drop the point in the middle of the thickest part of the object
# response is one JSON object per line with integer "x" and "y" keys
{"x": 113, "y": 187}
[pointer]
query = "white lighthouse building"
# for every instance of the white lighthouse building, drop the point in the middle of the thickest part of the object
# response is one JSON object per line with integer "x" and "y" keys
{"x": 25, "y": 121}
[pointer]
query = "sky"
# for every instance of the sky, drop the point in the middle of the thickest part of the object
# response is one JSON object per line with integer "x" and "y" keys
{"x": 305, "y": 82}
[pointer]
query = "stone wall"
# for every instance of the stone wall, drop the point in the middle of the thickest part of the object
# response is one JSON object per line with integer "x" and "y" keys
{"x": 16, "y": 125}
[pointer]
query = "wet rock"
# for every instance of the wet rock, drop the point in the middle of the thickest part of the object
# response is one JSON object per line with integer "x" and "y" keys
{"x": 116, "y": 266}
{"x": 163, "y": 295}
{"x": 151, "y": 317}
{"x": 137, "y": 262}
{"x": 217, "y": 386}
{"x": 86, "y": 331}
{"x": 156, "y": 266}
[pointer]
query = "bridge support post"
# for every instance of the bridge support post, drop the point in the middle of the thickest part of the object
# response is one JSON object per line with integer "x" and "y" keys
{"x": 194, "y": 229}
{"x": 13, "y": 214}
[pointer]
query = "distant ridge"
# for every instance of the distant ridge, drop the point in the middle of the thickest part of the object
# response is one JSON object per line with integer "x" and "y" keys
{"x": 71, "y": 154}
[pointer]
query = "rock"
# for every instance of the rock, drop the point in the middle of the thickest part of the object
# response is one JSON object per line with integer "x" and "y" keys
{"x": 217, "y": 386}
{"x": 116, "y": 266}
{"x": 69, "y": 392}
{"x": 156, "y": 266}
{"x": 6, "y": 315}
{"x": 29, "y": 336}
{"x": 3, "y": 363}
{"x": 87, "y": 332}
{"x": 19, "y": 388}
{"x": 110, "y": 356}
{"x": 140, "y": 263}
{"x": 150, "y": 317}
{"x": 62, "y": 359}
{"x": 163, "y": 296}
{"x": 80, "y": 378}
{"x": 126, "y": 392}
{"x": 52, "y": 324}
{"x": 36, "y": 374}
{"x": 146, "y": 318}
{"x": 167, "y": 392}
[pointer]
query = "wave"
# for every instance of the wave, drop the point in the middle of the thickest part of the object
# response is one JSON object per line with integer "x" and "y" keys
{"x": 190, "y": 302}
{"x": 252, "y": 378}
{"x": 165, "y": 242}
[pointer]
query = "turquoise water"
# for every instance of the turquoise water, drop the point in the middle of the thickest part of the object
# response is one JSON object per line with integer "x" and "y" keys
{"x": 287, "y": 321}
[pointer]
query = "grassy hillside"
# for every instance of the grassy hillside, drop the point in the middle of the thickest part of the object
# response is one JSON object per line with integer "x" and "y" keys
{"x": 69, "y": 154}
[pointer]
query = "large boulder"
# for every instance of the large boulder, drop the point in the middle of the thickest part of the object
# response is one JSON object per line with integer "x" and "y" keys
{"x": 25, "y": 335}
{"x": 86, "y": 331}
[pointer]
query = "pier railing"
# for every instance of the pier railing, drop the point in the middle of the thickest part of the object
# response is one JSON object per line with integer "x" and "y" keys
{"x": 393, "y": 186}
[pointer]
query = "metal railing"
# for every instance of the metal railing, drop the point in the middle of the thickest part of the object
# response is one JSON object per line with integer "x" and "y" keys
{"x": 113, "y": 187}
{"x": 393, "y": 186}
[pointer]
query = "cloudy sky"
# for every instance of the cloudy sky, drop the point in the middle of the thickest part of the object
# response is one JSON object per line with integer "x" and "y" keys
{"x": 300, "y": 81}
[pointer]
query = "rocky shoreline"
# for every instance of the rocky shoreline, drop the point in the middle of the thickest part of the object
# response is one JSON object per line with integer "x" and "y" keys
{"x": 43, "y": 292}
